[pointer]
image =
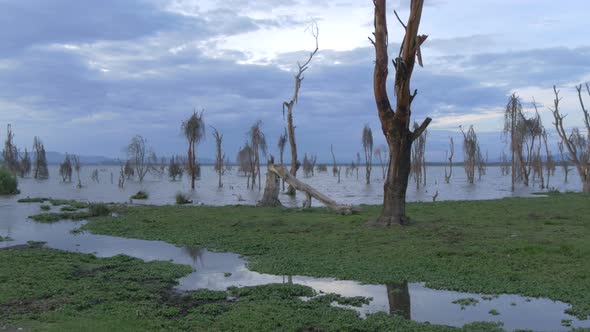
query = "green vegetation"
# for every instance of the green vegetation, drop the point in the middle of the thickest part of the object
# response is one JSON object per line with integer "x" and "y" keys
{"x": 536, "y": 247}
{"x": 469, "y": 301}
{"x": 45, "y": 207}
{"x": 5, "y": 238}
{"x": 182, "y": 199}
{"x": 8, "y": 182}
{"x": 68, "y": 205}
{"x": 140, "y": 195}
{"x": 494, "y": 312}
{"x": 94, "y": 210}
{"x": 51, "y": 290}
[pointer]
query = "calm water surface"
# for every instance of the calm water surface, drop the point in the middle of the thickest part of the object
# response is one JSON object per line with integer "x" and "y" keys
{"x": 414, "y": 300}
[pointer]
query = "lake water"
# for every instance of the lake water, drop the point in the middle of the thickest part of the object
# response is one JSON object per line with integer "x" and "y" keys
{"x": 212, "y": 270}
{"x": 234, "y": 191}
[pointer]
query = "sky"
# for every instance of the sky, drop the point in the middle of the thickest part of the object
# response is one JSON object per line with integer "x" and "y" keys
{"x": 86, "y": 76}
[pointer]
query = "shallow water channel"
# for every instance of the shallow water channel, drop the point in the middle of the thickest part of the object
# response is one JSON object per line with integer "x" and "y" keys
{"x": 217, "y": 271}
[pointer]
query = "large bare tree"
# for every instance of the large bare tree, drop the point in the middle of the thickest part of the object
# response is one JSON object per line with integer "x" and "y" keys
{"x": 193, "y": 130}
{"x": 65, "y": 169}
{"x": 282, "y": 142}
{"x": 396, "y": 123}
{"x": 368, "y": 148}
{"x": 576, "y": 143}
{"x": 289, "y": 105}
{"x": 258, "y": 145}
{"x": 25, "y": 164}
{"x": 511, "y": 115}
{"x": 10, "y": 152}
{"x": 470, "y": 152}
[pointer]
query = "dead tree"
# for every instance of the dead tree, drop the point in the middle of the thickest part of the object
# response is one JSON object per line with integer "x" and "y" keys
{"x": 156, "y": 166}
{"x": 504, "y": 167}
{"x": 450, "y": 154}
{"x": 396, "y": 124}
{"x": 470, "y": 152}
{"x": 122, "y": 175}
{"x": 193, "y": 130}
{"x": 138, "y": 154}
{"x": 128, "y": 169}
{"x": 288, "y": 106}
{"x": 40, "y": 170}
{"x": 281, "y": 145}
{"x": 10, "y": 152}
{"x": 175, "y": 168}
{"x": 270, "y": 198}
{"x": 528, "y": 136}
{"x": 576, "y": 143}
{"x": 77, "y": 167}
{"x": 511, "y": 116}
{"x": 258, "y": 144}
{"x": 25, "y": 164}
{"x": 219, "y": 156}
{"x": 368, "y": 148}
{"x": 245, "y": 161}
{"x": 379, "y": 154}
{"x": 307, "y": 167}
{"x": 418, "y": 167}
{"x": 564, "y": 162}
{"x": 94, "y": 176}
{"x": 481, "y": 163}
{"x": 65, "y": 169}
{"x": 549, "y": 162}
{"x": 309, "y": 191}
{"x": 335, "y": 168}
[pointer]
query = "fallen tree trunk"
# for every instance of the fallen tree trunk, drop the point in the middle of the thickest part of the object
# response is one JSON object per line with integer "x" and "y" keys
{"x": 280, "y": 171}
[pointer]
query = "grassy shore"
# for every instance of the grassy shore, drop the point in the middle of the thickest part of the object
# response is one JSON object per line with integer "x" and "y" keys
{"x": 536, "y": 247}
{"x": 50, "y": 290}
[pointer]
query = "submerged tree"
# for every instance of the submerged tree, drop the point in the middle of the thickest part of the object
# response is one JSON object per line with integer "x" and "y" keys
{"x": 368, "y": 147}
{"x": 396, "y": 124}
{"x": 307, "y": 166}
{"x": 219, "y": 156}
{"x": 175, "y": 167}
{"x": 194, "y": 131}
{"x": 245, "y": 161}
{"x": 470, "y": 153}
{"x": 288, "y": 106}
{"x": 77, "y": 165}
{"x": 137, "y": 153}
{"x": 563, "y": 162}
{"x": 335, "y": 168}
{"x": 511, "y": 115}
{"x": 10, "y": 152}
{"x": 128, "y": 169}
{"x": 380, "y": 152}
{"x": 576, "y": 143}
{"x": 40, "y": 170}
{"x": 450, "y": 153}
{"x": 258, "y": 145}
{"x": 65, "y": 169}
{"x": 25, "y": 164}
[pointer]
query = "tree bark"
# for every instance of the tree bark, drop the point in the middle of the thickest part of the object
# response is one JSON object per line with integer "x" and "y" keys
{"x": 310, "y": 192}
{"x": 396, "y": 125}
{"x": 270, "y": 198}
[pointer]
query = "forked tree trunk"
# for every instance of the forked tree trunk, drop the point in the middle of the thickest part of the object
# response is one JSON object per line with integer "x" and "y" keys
{"x": 396, "y": 124}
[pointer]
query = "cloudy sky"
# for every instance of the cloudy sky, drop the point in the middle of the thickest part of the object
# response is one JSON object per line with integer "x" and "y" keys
{"x": 86, "y": 76}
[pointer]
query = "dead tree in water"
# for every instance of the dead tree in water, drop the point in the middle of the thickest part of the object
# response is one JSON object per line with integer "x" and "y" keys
{"x": 271, "y": 192}
{"x": 576, "y": 143}
{"x": 77, "y": 167}
{"x": 450, "y": 154}
{"x": 219, "y": 157}
{"x": 10, "y": 152}
{"x": 270, "y": 197}
{"x": 418, "y": 167}
{"x": 563, "y": 162}
{"x": 505, "y": 168}
{"x": 379, "y": 154}
{"x": 25, "y": 164}
{"x": 470, "y": 152}
{"x": 194, "y": 131}
{"x": 281, "y": 145}
{"x": 335, "y": 169}
{"x": 511, "y": 116}
{"x": 65, "y": 169}
{"x": 481, "y": 163}
{"x": 368, "y": 148}
{"x": 288, "y": 106}
{"x": 258, "y": 145}
{"x": 307, "y": 167}
{"x": 245, "y": 161}
{"x": 40, "y": 170}
{"x": 137, "y": 153}
{"x": 396, "y": 124}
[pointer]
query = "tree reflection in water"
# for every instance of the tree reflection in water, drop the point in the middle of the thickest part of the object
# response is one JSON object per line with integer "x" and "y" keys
{"x": 398, "y": 295}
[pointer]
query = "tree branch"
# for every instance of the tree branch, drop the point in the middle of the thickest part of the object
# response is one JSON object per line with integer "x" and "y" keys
{"x": 418, "y": 131}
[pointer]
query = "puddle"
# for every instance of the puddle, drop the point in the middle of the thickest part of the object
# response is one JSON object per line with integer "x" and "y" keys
{"x": 217, "y": 271}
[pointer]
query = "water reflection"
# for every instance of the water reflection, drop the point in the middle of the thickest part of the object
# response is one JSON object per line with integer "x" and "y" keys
{"x": 398, "y": 295}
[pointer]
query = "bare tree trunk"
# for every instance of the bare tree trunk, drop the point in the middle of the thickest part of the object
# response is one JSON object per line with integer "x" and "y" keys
{"x": 398, "y": 296}
{"x": 310, "y": 191}
{"x": 270, "y": 198}
{"x": 396, "y": 125}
